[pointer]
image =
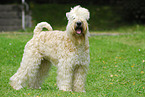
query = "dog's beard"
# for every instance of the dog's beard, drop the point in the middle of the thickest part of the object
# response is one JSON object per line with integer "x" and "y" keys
{"x": 77, "y": 33}
{"x": 79, "y": 29}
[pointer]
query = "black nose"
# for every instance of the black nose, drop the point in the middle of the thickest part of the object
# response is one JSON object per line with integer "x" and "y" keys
{"x": 79, "y": 23}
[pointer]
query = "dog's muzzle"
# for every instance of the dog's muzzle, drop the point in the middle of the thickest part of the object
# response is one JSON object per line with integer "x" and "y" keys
{"x": 79, "y": 29}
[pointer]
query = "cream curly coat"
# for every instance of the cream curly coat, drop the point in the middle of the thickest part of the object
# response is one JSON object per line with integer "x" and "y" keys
{"x": 68, "y": 50}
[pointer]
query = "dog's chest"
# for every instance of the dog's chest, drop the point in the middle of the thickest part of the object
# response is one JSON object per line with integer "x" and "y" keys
{"x": 81, "y": 55}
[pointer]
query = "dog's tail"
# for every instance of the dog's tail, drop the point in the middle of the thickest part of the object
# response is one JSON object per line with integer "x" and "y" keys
{"x": 40, "y": 26}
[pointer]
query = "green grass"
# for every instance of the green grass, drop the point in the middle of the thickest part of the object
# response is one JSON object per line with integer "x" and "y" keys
{"x": 116, "y": 67}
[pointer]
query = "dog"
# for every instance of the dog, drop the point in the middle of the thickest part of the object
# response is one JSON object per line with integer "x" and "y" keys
{"x": 67, "y": 50}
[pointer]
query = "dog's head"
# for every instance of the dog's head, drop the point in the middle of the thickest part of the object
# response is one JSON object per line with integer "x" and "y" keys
{"x": 77, "y": 21}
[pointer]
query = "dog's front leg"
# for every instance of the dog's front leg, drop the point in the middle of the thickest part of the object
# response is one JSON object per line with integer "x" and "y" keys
{"x": 64, "y": 77}
{"x": 79, "y": 78}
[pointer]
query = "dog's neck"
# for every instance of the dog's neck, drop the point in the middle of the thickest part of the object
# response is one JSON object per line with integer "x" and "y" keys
{"x": 78, "y": 39}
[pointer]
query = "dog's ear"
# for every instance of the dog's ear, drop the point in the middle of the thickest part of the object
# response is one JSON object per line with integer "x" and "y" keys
{"x": 86, "y": 14}
{"x": 67, "y": 15}
{"x": 83, "y": 11}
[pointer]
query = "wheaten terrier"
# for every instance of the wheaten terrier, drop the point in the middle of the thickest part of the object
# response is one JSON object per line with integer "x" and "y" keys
{"x": 67, "y": 50}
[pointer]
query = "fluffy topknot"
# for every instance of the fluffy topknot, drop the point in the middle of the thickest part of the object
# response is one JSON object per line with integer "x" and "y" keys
{"x": 78, "y": 11}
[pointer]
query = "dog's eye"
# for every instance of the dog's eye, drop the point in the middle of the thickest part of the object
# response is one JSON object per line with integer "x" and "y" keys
{"x": 73, "y": 18}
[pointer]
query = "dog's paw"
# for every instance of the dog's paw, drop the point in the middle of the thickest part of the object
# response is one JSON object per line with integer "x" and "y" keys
{"x": 65, "y": 89}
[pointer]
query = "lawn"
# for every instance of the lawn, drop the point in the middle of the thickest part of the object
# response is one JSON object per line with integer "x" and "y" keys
{"x": 117, "y": 67}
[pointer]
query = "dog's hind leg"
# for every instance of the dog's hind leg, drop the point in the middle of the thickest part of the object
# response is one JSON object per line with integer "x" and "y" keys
{"x": 29, "y": 67}
{"x": 41, "y": 74}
